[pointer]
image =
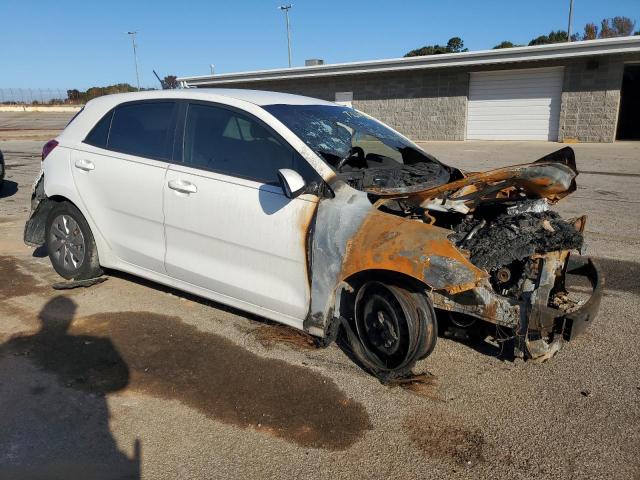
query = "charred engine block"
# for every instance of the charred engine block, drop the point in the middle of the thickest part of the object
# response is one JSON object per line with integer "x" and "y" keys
{"x": 502, "y": 238}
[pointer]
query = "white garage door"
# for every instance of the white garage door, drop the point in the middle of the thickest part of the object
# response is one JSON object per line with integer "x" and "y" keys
{"x": 514, "y": 104}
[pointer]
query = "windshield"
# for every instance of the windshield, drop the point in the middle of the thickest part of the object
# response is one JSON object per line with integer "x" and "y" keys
{"x": 366, "y": 152}
{"x": 332, "y": 131}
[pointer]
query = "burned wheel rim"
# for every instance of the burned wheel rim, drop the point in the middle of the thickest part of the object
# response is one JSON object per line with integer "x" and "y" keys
{"x": 383, "y": 324}
{"x": 67, "y": 243}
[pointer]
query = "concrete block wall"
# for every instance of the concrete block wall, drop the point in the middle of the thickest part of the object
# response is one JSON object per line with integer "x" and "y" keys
{"x": 422, "y": 105}
{"x": 591, "y": 99}
{"x": 432, "y": 104}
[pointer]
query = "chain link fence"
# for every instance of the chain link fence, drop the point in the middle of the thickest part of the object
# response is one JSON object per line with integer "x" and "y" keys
{"x": 49, "y": 96}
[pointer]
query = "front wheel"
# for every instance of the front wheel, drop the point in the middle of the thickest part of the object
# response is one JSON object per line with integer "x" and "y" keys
{"x": 395, "y": 328}
{"x": 72, "y": 249}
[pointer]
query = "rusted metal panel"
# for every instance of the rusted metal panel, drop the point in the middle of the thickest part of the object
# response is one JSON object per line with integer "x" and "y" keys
{"x": 350, "y": 236}
{"x": 548, "y": 180}
{"x": 410, "y": 247}
{"x": 480, "y": 302}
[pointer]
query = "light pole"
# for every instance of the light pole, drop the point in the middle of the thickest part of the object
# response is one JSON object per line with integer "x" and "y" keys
{"x": 285, "y": 9}
{"x": 135, "y": 55}
{"x": 570, "y": 17}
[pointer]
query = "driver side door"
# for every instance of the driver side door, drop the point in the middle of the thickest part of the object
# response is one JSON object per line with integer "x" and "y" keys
{"x": 229, "y": 227}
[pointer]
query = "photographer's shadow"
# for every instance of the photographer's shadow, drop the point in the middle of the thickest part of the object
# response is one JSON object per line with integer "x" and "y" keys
{"x": 57, "y": 426}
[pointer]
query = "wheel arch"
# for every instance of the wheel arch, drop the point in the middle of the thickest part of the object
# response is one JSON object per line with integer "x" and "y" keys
{"x": 34, "y": 230}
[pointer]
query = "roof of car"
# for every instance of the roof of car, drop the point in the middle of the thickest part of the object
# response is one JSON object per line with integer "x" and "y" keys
{"x": 257, "y": 97}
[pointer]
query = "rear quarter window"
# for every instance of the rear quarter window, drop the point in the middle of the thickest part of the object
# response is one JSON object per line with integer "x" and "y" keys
{"x": 100, "y": 132}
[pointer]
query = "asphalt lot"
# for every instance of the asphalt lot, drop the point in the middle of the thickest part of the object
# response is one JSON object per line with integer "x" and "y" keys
{"x": 131, "y": 378}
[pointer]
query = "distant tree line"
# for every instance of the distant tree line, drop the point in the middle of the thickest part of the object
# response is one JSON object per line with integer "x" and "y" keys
{"x": 78, "y": 96}
{"x": 609, "y": 27}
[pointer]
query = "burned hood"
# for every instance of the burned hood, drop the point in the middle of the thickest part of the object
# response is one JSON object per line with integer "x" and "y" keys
{"x": 551, "y": 177}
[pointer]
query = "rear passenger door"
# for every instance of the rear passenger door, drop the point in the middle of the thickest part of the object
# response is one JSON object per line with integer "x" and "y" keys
{"x": 119, "y": 171}
{"x": 229, "y": 227}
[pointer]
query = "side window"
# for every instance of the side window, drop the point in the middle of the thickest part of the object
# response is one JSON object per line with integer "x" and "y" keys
{"x": 232, "y": 143}
{"x": 99, "y": 134}
{"x": 143, "y": 129}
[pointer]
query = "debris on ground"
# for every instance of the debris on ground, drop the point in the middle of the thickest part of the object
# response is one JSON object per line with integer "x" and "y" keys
{"x": 270, "y": 334}
{"x": 78, "y": 283}
{"x": 423, "y": 384}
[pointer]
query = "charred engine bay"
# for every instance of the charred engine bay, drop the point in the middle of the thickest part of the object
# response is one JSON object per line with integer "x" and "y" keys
{"x": 377, "y": 172}
{"x": 401, "y": 176}
{"x": 499, "y": 235}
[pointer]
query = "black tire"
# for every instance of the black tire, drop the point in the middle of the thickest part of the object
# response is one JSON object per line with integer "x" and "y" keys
{"x": 72, "y": 249}
{"x": 394, "y": 328}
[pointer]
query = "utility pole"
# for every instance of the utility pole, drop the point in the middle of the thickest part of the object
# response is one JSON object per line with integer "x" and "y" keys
{"x": 570, "y": 18}
{"x": 285, "y": 9}
{"x": 135, "y": 55}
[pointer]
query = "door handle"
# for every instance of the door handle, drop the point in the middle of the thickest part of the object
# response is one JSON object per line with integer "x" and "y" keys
{"x": 182, "y": 186}
{"x": 85, "y": 165}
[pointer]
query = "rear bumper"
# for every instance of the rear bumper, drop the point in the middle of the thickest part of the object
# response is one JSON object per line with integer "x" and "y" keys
{"x": 574, "y": 323}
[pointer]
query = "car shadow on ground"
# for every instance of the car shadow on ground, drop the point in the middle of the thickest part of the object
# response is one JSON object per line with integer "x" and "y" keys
{"x": 55, "y": 417}
{"x": 8, "y": 189}
{"x": 182, "y": 294}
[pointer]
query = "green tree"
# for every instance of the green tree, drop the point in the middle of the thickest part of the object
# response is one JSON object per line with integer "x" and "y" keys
{"x": 454, "y": 45}
{"x": 505, "y": 44}
{"x": 555, "y": 36}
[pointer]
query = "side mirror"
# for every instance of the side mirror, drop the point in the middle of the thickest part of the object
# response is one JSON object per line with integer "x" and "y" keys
{"x": 291, "y": 182}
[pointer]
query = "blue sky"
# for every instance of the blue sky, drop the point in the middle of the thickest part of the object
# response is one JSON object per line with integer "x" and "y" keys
{"x": 78, "y": 44}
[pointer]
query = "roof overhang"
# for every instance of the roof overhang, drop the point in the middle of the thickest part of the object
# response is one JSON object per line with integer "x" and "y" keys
{"x": 480, "y": 57}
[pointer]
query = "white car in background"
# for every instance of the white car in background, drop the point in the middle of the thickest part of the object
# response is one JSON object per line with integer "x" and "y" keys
{"x": 311, "y": 214}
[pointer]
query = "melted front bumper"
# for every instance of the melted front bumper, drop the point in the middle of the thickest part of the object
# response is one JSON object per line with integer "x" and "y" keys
{"x": 574, "y": 323}
{"x": 539, "y": 329}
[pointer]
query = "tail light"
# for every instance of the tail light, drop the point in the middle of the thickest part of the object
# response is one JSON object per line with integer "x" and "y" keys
{"x": 48, "y": 148}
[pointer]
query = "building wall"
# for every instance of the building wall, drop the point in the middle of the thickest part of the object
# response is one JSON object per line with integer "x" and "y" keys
{"x": 432, "y": 104}
{"x": 591, "y": 99}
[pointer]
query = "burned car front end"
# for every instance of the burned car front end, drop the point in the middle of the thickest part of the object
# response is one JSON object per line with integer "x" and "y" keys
{"x": 475, "y": 246}
{"x": 502, "y": 221}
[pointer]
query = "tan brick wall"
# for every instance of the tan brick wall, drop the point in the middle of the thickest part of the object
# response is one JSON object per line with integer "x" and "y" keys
{"x": 591, "y": 99}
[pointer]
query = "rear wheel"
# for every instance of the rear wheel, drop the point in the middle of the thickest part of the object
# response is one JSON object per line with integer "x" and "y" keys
{"x": 72, "y": 249}
{"x": 395, "y": 328}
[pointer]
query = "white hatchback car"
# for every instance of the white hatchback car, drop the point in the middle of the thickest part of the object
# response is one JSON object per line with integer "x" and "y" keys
{"x": 311, "y": 214}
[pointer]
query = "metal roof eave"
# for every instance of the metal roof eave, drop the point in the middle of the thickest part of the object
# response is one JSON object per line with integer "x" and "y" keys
{"x": 480, "y": 57}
